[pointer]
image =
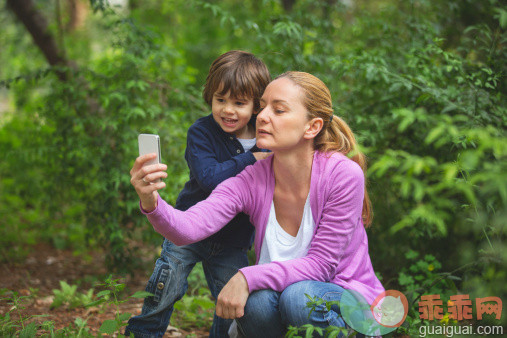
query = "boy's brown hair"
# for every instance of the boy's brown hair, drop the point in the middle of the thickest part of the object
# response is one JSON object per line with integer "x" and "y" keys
{"x": 238, "y": 72}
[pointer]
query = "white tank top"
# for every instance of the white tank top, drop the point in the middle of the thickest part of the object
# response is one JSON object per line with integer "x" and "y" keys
{"x": 279, "y": 246}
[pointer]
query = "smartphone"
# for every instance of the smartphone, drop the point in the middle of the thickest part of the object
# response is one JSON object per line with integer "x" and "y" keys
{"x": 149, "y": 143}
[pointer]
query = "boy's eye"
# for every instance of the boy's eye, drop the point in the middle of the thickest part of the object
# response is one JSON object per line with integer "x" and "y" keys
{"x": 239, "y": 103}
{"x": 219, "y": 99}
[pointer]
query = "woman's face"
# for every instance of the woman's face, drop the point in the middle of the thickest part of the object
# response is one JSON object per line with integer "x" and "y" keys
{"x": 283, "y": 120}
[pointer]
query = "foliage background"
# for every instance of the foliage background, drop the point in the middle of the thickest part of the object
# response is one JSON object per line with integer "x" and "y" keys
{"x": 422, "y": 84}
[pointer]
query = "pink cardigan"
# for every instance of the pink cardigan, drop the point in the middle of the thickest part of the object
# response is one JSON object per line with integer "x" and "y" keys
{"x": 339, "y": 248}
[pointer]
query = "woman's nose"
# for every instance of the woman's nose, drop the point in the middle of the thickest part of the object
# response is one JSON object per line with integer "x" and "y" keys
{"x": 263, "y": 115}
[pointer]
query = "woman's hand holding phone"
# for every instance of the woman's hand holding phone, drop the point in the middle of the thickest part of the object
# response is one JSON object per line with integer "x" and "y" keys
{"x": 146, "y": 179}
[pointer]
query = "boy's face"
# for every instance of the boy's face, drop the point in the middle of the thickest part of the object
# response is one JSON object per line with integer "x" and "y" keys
{"x": 232, "y": 113}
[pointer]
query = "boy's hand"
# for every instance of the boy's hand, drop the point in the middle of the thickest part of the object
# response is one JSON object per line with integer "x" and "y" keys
{"x": 144, "y": 178}
{"x": 259, "y": 155}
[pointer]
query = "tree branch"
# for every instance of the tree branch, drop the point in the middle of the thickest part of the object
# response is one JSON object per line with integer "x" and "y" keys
{"x": 37, "y": 26}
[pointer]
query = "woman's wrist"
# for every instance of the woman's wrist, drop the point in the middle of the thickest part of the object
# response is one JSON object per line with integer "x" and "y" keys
{"x": 149, "y": 206}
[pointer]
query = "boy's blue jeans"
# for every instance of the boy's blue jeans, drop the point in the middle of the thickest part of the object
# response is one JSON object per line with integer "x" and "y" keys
{"x": 168, "y": 283}
{"x": 268, "y": 313}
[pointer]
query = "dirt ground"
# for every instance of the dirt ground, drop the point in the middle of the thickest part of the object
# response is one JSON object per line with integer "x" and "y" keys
{"x": 45, "y": 267}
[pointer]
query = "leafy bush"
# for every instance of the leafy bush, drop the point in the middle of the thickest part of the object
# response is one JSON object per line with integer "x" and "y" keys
{"x": 67, "y": 295}
{"x": 422, "y": 84}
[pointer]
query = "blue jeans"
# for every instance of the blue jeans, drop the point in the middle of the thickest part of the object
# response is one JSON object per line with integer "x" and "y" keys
{"x": 168, "y": 283}
{"x": 268, "y": 313}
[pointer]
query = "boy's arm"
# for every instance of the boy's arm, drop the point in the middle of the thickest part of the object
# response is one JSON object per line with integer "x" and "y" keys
{"x": 203, "y": 162}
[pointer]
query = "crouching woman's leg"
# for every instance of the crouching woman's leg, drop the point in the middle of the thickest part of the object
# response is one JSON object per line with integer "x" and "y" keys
{"x": 295, "y": 312}
{"x": 262, "y": 317}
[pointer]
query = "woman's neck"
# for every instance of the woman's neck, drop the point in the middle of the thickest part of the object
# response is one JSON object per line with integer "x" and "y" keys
{"x": 293, "y": 171}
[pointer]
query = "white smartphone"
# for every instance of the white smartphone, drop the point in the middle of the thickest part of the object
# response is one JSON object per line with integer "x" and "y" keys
{"x": 149, "y": 143}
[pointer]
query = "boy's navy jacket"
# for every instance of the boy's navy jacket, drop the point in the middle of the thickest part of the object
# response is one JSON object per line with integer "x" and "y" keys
{"x": 213, "y": 156}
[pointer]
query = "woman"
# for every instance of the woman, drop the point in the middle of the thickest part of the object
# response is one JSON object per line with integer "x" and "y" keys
{"x": 308, "y": 203}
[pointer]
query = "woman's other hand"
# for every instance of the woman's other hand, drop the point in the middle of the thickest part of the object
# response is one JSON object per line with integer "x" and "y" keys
{"x": 232, "y": 299}
{"x": 145, "y": 180}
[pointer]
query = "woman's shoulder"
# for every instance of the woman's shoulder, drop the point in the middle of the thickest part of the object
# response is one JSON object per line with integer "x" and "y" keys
{"x": 336, "y": 169}
{"x": 336, "y": 160}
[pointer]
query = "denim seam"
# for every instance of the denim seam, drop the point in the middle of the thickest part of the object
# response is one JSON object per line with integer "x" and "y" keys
{"x": 325, "y": 313}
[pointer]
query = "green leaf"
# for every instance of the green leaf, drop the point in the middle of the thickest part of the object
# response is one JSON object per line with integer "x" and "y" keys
{"x": 124, "y": 316}
{"x": 404, "y": 279}
{"x": 80, "y": 322}
{"x": 434, "y": 134}
{"x": 411, "y": 254}
{"x": 109, "y": 326}
{"x": 103, "y": 293}
{"x": 142, "y": 294}
{"x": 501, "y": 16}
{"x": 29, "y": 331}
{"x": 97, "y": 302}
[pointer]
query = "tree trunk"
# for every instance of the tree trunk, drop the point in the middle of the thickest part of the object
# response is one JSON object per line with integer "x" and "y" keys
{"x": 77, "y": 12}
{"x": 37, "y": 26}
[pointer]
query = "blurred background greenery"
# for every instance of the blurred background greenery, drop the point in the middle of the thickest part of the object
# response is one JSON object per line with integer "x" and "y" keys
{"x": 421, "y": 82}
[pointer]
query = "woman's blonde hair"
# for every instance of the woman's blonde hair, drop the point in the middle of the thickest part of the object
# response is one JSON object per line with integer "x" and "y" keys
{"x": 335, "y": 135}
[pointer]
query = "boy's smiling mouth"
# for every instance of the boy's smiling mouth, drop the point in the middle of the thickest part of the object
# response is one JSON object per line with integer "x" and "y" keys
{"x": 229, "y": 122}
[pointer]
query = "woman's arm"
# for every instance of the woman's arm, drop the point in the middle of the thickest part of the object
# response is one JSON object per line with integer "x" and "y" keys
{"x": 341, "y": 216}
{"x": 204, "y": 218}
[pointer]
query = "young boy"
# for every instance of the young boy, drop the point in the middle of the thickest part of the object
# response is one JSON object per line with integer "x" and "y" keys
{"x": 219, "y": 146}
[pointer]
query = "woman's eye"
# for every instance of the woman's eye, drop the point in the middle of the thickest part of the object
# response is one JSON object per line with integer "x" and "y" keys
{"x": 279, "y": 111}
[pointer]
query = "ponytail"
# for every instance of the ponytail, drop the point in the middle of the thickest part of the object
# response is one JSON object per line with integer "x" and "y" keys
{"x": 336, "y": 135}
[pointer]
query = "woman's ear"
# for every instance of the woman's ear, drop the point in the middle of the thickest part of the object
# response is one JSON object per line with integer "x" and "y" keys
{"x": 313, "y": 128}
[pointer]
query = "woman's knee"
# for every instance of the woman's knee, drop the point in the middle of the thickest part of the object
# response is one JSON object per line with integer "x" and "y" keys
{"x": 297, "y": 309}
{"x": 261, "y": 305}
{"x": 261, "y": 315}
{"x": 293, "y": 303}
